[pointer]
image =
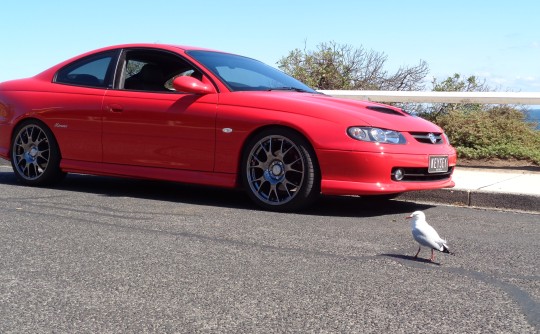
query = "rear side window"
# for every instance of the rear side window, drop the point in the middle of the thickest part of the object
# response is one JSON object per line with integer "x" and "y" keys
{"x": 92, "y": 71}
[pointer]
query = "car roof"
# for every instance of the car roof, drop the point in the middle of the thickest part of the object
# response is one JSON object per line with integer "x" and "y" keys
{"x": 171, "y": 47}
{"x": 153, "y": 46}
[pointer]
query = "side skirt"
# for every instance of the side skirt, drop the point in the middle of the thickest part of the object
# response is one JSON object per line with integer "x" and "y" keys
{"x": 225, "y": 180}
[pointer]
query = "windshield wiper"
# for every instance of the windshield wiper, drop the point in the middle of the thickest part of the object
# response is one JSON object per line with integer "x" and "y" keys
{"x": 293, "y": 89}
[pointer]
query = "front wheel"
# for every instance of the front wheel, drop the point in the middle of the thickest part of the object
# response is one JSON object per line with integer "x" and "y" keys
{"x": 279, "y": 170}
{"x": 35, "y": 156}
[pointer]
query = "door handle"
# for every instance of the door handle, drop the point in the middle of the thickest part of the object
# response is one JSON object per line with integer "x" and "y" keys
{"x": 115, "y": 108}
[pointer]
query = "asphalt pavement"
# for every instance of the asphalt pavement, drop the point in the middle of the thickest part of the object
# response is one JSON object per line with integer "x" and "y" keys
{"x": 109, "y": 255}
{"x": 112, "y": 255}
{"x": 499, "y": 188}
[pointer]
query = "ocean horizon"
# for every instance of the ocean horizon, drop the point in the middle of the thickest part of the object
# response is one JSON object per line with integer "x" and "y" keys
{"x": 533, "y": 115}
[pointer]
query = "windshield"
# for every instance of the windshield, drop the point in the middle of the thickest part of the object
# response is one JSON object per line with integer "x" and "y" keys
{"x": 242, "y": 73}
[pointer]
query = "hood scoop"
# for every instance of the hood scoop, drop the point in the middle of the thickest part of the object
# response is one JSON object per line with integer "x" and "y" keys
{"x": 385, "y": 110}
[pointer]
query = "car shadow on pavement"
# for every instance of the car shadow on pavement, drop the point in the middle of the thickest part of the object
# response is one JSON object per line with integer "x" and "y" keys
{"x": 356, "y": 206}
{"x": 332, "y": 206}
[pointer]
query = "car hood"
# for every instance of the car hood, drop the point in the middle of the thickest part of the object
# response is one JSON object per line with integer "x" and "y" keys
{"x": 336, "y": 110}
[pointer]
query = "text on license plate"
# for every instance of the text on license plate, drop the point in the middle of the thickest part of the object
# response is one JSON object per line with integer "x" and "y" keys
{"x": 438, "y": 164}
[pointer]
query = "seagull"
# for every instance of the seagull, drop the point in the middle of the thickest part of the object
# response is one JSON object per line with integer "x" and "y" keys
{"x": 426, "y": 235}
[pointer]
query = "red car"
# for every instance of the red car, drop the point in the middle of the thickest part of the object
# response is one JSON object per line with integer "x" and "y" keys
{"x": 194, "y": 115}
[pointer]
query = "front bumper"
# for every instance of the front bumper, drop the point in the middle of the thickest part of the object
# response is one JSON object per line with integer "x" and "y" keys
{"x": 368, "y": 173}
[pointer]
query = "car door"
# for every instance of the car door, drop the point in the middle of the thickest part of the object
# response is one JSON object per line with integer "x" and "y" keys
{"x": 74, "y": 105}
{"x": 147, "y": 124}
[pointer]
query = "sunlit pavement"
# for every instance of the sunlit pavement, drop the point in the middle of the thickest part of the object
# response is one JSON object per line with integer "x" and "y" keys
{"x": 509, "y": 189}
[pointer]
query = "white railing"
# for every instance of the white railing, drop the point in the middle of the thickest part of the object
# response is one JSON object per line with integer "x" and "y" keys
{"x": 439, "y": 97}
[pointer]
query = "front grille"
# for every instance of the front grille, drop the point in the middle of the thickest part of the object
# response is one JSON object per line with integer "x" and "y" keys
{"x": 421, "y": 174}
{"x": 424, "y": 137}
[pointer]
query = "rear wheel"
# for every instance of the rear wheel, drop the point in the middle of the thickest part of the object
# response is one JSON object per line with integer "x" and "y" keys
{"x": 35, "y": 156}
{"x": 279, "y": 170}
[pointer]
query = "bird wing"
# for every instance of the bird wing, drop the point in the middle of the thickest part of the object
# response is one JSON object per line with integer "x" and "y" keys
{"x": 426, "y": 235}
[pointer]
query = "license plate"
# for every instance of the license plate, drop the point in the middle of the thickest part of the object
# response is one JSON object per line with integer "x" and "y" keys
{"x": 438, "y": 164}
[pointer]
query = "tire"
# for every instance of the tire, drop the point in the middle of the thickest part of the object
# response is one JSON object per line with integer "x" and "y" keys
{"x": 279, "y": 170}
{"x": 35, "y": 156}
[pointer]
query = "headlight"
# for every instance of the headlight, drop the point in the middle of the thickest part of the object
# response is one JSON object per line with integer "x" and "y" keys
{"x": 376, "y": 135}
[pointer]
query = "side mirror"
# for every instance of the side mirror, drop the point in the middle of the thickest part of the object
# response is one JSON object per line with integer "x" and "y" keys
{"x": 191, "y": 85}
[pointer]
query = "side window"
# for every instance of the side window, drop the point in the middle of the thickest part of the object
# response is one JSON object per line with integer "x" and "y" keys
{"x": 91, "y": 71}
{"x": 153, "y": 70}
{"x": 142, "y": 75}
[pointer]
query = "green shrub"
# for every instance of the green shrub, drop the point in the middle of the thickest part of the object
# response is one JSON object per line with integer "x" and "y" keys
{"x": 497, "y": 132}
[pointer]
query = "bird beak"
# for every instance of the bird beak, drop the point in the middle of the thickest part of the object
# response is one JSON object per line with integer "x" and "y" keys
{"x": 408, "y": 217}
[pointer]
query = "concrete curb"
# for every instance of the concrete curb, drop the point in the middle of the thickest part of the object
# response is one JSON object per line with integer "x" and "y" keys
{"x": 476, "y": 198}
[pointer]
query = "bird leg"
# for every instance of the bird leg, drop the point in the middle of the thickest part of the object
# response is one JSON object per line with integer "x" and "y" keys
{"x": 417, "y": 252}
{"x": 432, "y": 256}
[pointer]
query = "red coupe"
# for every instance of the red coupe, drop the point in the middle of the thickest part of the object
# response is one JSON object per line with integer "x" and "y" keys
{"x": 200, "y": 116}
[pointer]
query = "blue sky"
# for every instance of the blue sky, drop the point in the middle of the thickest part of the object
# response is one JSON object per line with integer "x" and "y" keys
{"x": 498, "y": 41}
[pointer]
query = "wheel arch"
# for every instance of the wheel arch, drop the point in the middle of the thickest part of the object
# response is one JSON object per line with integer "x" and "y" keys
{"x": 19, "y": 123}
{"x": 263, "y": 128}
{"x": 36, "y": 162}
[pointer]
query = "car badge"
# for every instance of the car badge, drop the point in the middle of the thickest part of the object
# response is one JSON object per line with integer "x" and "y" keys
{"x": 432, "y": 138}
